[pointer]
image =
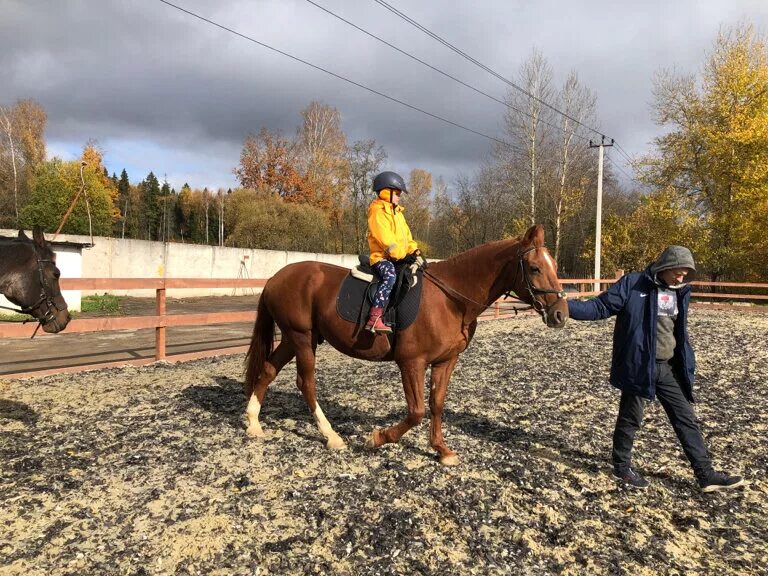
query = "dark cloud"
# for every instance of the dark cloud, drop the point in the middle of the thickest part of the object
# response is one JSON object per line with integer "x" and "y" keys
{"x": 142, "y": 72}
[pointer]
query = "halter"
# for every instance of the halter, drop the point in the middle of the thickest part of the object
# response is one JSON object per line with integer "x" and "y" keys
{"x": 533, "y": 290}
{"x": 50, "y": 314}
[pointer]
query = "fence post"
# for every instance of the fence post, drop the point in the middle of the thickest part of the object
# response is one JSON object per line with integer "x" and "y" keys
{"x": 496, "y": 311}
{"x": 160, "y": 330}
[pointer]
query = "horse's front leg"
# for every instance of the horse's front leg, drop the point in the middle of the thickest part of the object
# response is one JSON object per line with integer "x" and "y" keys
{"x": 441, "y": 375}
{"x": 412, "y": 372}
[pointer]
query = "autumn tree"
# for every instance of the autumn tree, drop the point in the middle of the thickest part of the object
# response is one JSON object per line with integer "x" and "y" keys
{"x": 365, "y": 159}
{"x": 714, "y": 151}
{"x": 22, "y": 150}
{"x": 55, "y": 186}
{"x": 322, "y": 154}
{"x": 446, "y": 219}
{"x": 631, "y": 241}
{"x": 269, "y": 163}
{"x": 417, "y": 203}
{"x": 256, "y": 220}
{"x": 573, "y": 159}
{"x": 527, "y": 125}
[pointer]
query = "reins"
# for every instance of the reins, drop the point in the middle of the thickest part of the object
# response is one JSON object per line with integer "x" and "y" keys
{"x": 532, "y": 290}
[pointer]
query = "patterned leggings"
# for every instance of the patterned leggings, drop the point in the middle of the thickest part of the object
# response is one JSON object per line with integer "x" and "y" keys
{"x": 386, "y": 271}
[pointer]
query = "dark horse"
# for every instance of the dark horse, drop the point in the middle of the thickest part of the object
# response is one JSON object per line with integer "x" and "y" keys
{"x": 30, "y": 280}
{"x": 301, "y": 299}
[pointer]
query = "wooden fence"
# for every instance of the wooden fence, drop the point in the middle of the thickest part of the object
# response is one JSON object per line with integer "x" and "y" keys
{"x": 160, "y": 321}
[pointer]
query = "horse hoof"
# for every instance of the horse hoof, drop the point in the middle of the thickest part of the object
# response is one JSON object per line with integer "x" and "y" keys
{"x": 336, "y": 443}
{"x": 450, "y": 460}
{"x": 370, "y": 442}
{"x": 255, "y": 431}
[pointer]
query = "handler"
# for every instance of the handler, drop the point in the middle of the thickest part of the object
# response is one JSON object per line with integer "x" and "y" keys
{"x": 389, "y": 239}
{"x": 652, "y": 357}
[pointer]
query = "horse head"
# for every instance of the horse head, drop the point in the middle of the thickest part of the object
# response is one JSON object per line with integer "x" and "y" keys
{"x": 536, "y": 279}
{"x": 34, "y": 283}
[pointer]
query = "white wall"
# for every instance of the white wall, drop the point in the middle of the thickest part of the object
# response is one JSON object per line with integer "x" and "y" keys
{"x": 117, "y": 258}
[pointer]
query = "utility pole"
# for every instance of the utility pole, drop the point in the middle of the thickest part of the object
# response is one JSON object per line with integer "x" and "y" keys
{"x": 599, "y": 217}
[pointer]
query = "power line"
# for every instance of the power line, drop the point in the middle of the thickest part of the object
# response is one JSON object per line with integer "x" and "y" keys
{"x": 481, "y": 65}
{"x": 626, "y": 155}
{"x": 620, "y": 169}
{"x": 316, "y": 67}
{"x": 439, "y": 71}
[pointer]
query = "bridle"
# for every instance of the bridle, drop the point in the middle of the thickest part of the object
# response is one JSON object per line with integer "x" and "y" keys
{"x": 536, "y": 305}
{"x": 45, "y": 297}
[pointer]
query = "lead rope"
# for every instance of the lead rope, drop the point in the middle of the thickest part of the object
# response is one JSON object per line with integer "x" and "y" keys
{"x": 72, "y": 206}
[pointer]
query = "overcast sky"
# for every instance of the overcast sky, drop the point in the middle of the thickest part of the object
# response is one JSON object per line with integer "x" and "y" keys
{"x": 163, "y": 91}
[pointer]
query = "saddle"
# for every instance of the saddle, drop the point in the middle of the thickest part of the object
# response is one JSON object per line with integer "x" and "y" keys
{"x": 355, "y": 296}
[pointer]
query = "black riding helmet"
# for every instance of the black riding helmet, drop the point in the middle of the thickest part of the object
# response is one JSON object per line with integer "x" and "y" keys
{"x": 389, "y": 180}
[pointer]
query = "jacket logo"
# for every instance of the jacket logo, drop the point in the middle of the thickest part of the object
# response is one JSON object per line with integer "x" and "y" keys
{"x": 643, "y": 294}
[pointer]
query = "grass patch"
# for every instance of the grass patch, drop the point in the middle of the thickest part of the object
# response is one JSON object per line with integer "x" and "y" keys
{"x": 14, "y": 317}
{"x": 100, "y": 303}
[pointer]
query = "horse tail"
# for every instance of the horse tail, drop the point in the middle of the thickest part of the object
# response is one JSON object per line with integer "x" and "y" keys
{"x": 261, "y": 344}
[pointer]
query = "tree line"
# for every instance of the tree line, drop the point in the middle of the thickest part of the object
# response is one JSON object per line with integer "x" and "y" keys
{"x": 705, "y": 184}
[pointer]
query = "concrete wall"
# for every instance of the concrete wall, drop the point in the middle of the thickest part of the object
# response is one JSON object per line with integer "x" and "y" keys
{"x": 116, "y": 258}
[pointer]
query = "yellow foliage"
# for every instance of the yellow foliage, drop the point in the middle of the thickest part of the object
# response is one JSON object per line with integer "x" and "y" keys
{"x": 715, "y": 158}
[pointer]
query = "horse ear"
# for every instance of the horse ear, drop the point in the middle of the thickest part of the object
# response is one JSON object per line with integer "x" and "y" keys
{"x": 534, "y": 236}
{"x": 39, "y": 237}
{"x": 22, "y": 235}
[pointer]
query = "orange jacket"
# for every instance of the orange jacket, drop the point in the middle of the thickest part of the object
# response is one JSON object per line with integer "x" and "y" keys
{"x": 389, "y": 236}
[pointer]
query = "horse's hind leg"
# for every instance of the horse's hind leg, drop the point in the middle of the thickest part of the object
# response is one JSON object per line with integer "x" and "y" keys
{"x": 277, "y": 359}
{"x": 306, "y": 345}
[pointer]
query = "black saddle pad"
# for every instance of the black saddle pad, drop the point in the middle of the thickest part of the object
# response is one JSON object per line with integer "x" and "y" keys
{"x": 354, "y": 302}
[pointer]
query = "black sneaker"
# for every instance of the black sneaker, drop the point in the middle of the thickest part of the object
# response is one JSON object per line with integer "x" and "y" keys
{"x": 716, "y": 481}
{"x": 631, "y": 478}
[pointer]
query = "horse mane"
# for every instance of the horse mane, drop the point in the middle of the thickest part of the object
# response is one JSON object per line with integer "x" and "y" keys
{"x": 46, "y": 250}
{"x": 462, "y": 259}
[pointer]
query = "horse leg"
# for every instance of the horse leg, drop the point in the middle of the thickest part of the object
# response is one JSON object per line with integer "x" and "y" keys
{"x": 305, "y": 381}
{"x": 277, "y": 359}
{"x": 441, "y": 374}
{"x": 412, "y": 373}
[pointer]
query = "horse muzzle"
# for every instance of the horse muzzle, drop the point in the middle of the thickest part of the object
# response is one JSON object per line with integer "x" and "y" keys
{"x": 57, "y": 322}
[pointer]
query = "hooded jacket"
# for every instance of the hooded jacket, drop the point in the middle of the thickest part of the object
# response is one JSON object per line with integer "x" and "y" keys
{"x": 389, "y": 236}
{"x": 634, "y": 302}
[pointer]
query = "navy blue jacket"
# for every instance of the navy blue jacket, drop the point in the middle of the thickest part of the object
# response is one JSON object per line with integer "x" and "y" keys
{"x": 634, "y": 302}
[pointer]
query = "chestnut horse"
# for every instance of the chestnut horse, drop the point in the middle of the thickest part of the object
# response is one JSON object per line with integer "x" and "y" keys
{"x": 30, "y": 280}
{"x": 301, "y": 299}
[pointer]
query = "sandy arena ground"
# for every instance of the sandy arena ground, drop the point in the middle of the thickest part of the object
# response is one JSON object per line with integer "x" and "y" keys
{"x": 149, "y": 470}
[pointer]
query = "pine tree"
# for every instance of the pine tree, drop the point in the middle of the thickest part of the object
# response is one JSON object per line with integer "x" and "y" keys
{"x": 150, "y": 206}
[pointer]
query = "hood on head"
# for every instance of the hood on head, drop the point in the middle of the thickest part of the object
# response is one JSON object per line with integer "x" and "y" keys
{"x": 674, "y": 257}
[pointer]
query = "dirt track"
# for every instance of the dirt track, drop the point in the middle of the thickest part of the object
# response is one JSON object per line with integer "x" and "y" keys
{"x": 148, "y": 470}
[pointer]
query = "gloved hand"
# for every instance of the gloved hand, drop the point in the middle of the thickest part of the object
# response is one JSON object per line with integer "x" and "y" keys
{"x": 421, "y": 262}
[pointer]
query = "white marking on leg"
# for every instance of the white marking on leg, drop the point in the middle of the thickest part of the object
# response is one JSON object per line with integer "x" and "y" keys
{"x": 252, "y": 414}
{"x": 334, "y": 440}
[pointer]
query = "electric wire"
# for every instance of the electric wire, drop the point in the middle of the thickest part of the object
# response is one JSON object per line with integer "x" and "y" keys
{"x": 340, "y": 77}
{"x": 625, "y": 153}
{"x": 481, "y": 65}
{"x": 620, "y": 169}
{"x": 438, "y": 70}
